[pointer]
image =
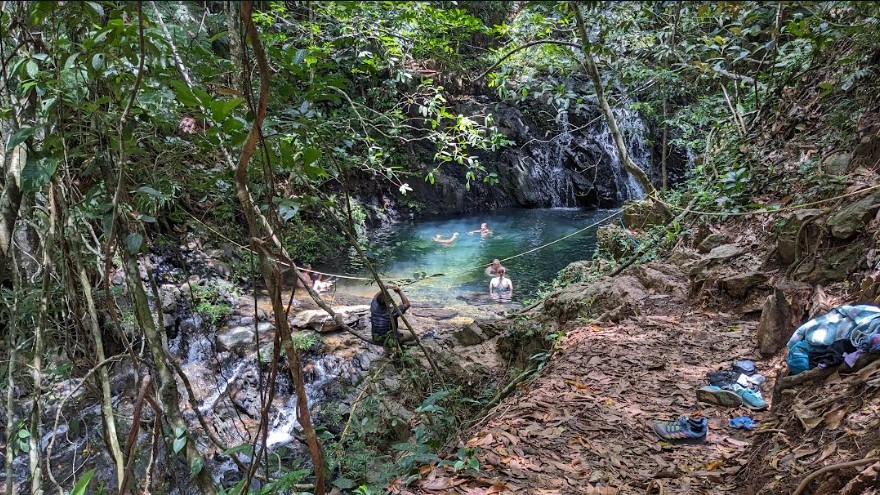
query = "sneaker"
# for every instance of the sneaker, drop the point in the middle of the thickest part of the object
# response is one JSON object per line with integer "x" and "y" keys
{"x": 718, "y": 396}
{"x": 683, "y": 430}
{"x": 750, "y": 398}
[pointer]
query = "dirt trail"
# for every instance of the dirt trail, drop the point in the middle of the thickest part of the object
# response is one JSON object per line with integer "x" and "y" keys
{"x": 584, "y": 425}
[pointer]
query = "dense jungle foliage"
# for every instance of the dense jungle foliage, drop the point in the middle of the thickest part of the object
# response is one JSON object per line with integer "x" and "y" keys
{"x": 129, "y": 126}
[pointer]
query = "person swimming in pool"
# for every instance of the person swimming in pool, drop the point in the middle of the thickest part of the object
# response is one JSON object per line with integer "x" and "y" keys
{"x": 501, "y": 287}
{"x": 483, "y": 230}
{"x": 446, "y": 242}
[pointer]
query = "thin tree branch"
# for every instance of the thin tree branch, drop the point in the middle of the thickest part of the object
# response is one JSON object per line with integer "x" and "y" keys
{"x": 521, "y": 48}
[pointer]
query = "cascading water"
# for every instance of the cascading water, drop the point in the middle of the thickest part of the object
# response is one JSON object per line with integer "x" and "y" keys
{"x": 578, "y": 160}
{"x": 634, "y": 135}
{"x": 549, "y": 170}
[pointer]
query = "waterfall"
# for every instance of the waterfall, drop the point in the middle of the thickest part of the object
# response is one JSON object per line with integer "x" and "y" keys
{"x": 634, "y": 134}
{"x": 578, "y": 161}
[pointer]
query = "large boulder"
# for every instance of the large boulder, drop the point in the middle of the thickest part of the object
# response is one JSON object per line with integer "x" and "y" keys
{"x": 852, "y": 218}
{"x": 620, "y": 295}
{"x": 319, "y": 321}
{"x": 612, "y": 239}
{"x": 718, "y": 254}
{"x": 837, "y": 163}
{"x": 235, "y": 338}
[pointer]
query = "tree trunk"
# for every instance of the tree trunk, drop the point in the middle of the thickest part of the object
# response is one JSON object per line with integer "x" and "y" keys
{"x": 593, "y": 72}
{"x": 10, "y": 379}
{"x": 35, "y": 440}
{"x": 110, "y": 433}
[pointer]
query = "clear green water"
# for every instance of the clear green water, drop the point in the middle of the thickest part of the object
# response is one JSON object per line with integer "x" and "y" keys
{"x": 406, "y": 251}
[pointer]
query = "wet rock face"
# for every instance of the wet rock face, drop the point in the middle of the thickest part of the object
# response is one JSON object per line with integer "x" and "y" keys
{"x": 567, "y": 161}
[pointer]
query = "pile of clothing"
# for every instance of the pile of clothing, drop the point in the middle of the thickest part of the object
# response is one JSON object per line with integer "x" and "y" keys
{"x": 737, "y": 386}
{"x": 839, "y": 336}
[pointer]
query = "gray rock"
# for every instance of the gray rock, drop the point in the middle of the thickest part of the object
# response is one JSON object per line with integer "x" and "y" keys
{"x": 246, "y": 320}
{"x": 319, "y": 321}
{"x": 834, "y": 268}
{"x": 725, "y": 252}
{"x": 469, "y": 335}
{"x": 643, "y": 214}
{"x": 740, "y": 285}
{"x": 837, "y": 163}
{"x": 711, "y": 242}
{"x": 235, "y": 338}
{"x": 168, "y": 320}
{"x": 435, "y": 313}
{"x": 168, "y": 297}
{"x": 852, "y": 218}
{"x": 265, "y": 327}
{"x": 362, "y": 361}
{"x": 721, "y": 253}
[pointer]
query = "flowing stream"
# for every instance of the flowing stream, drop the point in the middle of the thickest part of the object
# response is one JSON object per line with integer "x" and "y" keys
{"x": 407, "y": 251}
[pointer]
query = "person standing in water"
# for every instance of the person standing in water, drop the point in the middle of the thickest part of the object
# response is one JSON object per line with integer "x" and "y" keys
{"x": 492, "y": 269}
{"x": 483, "y": 230}
{"x": 501, "y": 288}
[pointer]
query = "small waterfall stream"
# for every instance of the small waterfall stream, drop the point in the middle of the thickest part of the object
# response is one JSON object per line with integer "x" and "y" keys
{"x": 577, "y": 160}
{"x": 634, "y": 134}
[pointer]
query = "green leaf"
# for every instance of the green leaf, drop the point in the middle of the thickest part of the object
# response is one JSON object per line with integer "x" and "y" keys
{"x": 310, "y": 155}
{"x": 146, "y": 218}
{"x": 245, "y": 448}
{"x": 24, "y": 446}
{"x": 37, "y": 173}
{"x": 133, "y": 242}
{"x": 184, "y": 94}
{"x": 23, "y": 434}
{"x": 196, "y": 466}
{"x": 223, "y": 108}
{"x": 179, "y": 444}
{"x": 83, "y": 483}
{"x": 218, "y": 36}
{"x": 344, "y": 483}
{"x": 149, "y": 191}
{"x": 288, "y": 209}
{"x": 20, "y": 136}
{"x": 98, "y": 61}
{"x": 97, "y": 8}
{"x": 32, "y": 68}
